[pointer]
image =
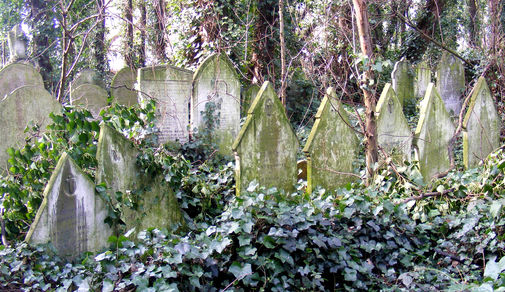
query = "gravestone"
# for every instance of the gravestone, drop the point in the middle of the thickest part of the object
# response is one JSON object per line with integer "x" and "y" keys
{"x": 91, "y": 97}
{"x": 422, "y": 79}
{"x": 393, "y": 131}
{"x": 87, "y": 76}
{"x": 24, "y": 105}
{"x": 433, "y": 132}
{"x": 451, "y": 82}
{"x": 331, "y": 146}
{"x": 123, "y": 87}
{"x": 247, "y": 97}
{"x": 171, "y": 88}
{"x": 215, "y": 81}
{"x": 17, "y": 44}
{"x": 117, "y": 168}
{"x": 266, "y": 147}
{"x": 481, "y": 125}
{"x": 17, "y": 75}
{"x": 403, "y": 81}
{"x": 71, "y": 215}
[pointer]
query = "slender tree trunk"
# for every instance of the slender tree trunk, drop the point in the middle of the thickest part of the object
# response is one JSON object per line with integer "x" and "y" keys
{"x": 283, "y": 53}
{"x": 41, "y": 41}
{"x": 472, "y": 9}
{"x": 360, "y": 9}
{"x": 66, "y": 43}
{"x": 128, "y": 49}
{"x": 101, "y": 63}
{"x": 160, "y": 45}
{"x": 494, "y": 10}
{"x": 143, "y": 35}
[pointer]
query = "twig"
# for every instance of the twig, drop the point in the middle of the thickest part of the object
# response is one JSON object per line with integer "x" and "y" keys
{"x": 428, "y": 195}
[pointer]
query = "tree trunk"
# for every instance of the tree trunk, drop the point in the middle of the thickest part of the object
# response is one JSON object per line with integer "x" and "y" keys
{"x": 283, "y": 54}
{"x": 360, "y": 9}
{"x": 143, "y": 25}
{"x": 128, "y": 45}
{"x": 101, "y": 63}
{"x": 472, "y": 11}
{"x": 160, "y": 45}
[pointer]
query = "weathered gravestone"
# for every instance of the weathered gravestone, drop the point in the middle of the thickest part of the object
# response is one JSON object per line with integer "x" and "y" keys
{"x": 247, "y": 97}
{"x": 265, "y": 149}
{"x": 17, "y": 44}
{"x": 156, "y": 206}
{"x": 91, "y": 97}
{"x": 87, "y": 76}
{"x": 24, "y": 105}
{"x": 433, "y": 132}
{"x": 481, "y": 126}
{"x": 215, "y": 82}
{"x": 123, "y": 87}
{"x": 71, "y": 215}
{"x": 393, "y": 131}
{"x": 451, "y": 82}
{"x": 331, "y": 146}
{"x": 17, "y": 75}
{"x": 422, "y": 79}
{"x": 403, "y": 82}
{"x": 171, "y": 88}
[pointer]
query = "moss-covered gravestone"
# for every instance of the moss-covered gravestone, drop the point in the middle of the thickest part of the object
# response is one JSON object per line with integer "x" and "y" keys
{"x": 433, "y": 132}
{"x": 91, "y": 97}
{"x": 71, "y": 215}
{"x": 155, "y": 206}
{"x": 403, "y": 81}
{"x": 24, "y": 106}
{"x": 451, "y": 82}
{"x": 265, "y": 149}
{"x": 17, "y": 75}
{"x": 481, "y": 125}
{"x": 393, "y": 131}
{"x": 87, "y": 76}
{"x": 216, "y": 84}
{"x": 247, "y": 97}
{"x": 122, "y": 87}
{"x": 331, "y": 146}
{"x": 171, "y": 87}
{"x": 422, "y": 79}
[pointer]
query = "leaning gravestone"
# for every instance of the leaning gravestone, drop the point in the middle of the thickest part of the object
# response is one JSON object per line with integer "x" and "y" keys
{"x": 17, "y": 75}
{"x": 403, "y": 82}
{"x": 91, "y": 97}
{"x": 451, "y": 82}
{"x": 482, "y": 126}
{"x": 87, "y": 76}
{"x": 393, "y": 131}
{"x": 247, "y": 98}
{"x": 331, "y": 147}
{"x": 171, "y": 88}
{"x": 215, "y": 82}
{"x": 123, "y": 87}
{"x": 24, "y": 105}
{"x": 422, "y": 79}
{"x": 433, "y": 132}
{"x": 265, "y": 149}
{"x": 157, "y": 206}
{"x": 71, "y": 215}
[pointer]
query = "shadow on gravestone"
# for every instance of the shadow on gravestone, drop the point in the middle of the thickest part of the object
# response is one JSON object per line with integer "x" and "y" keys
{"x": 403, "y": 82}
{"x": 393, "y": 131}
{"x": 481, "y": 125}
{"x": 331, "y": 147}
{"x": 433, "y": 132}
{"x": 215, "y": 81}
{"x": 18, "y": 110}
{"x": 71, "y": 216}
{"x": 451, "y": 82}
{"x": 123, "y": 89}
{"x": 266, "y": 147}
{"x": 91, "y": 97}
{"x": 117, "y": 168}
{"x": 17, "y": 75}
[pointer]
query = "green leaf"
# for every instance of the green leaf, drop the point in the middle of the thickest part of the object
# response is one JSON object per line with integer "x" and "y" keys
{"x": 240, "y": 270}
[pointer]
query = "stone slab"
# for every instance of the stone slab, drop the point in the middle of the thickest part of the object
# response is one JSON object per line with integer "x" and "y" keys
{"x": 87, "y": 76}
{"x": 422, "y": 79}
{"x": 123, "y": 87}
{"x": 17, "y": 75}
{"x": 91, "y": 97}
{"x": 402, "y": 78}
{"x": 451, "y": 82}
{"x": 247, "y": 97}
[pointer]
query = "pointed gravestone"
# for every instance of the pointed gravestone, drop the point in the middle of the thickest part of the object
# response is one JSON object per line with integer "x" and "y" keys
{"x": 157, "y": 206}
{"x": 331, "y": 146}
{"x": 17, "y": 75}
{"x": 393, "y": 131}
{"x": 433, "y": 132}
{"x": 171, "y": 88}
{"x": 91, "y": 97}
{"x": 402, "y": 79}
{"x": 482, "y": 126}
{"x": 247, "y": 98}
{"x": 451, "y": 82}
{"x": 87, "y": 76}
{"x": 123, "y": 87}
{"x": 71, "y": 215}
{"x": 18, "y": 110}
{"x": 266, "y": 147}
{"x": 422, "y": 79}
{"x": 216, "y": 82}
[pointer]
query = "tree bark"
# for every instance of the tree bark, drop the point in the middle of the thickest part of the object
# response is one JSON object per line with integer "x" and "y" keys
{"x": 128, "y": 45}
{"x": 472, "y": 9}
{"x": 101, "y": 63}
{"x": 160, "y": 45}
{"x": 283, "y": 54}
{"x": 143, "y": 35}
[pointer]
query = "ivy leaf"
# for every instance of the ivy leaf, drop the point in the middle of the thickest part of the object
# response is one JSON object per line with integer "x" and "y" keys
{"x": 240, "y": 271}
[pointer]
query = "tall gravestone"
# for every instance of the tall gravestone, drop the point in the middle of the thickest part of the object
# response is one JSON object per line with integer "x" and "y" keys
{"x": 393, "y": 131}
{"x": 87, "y": 76}
{"x": 331, "y": 146}
{"x": 17, "y": 44}
{"x": 422, "y": 79}
{"x": 403, "y": 81}
{"x": 481, "y": 126}
{"x": 91, "y": 97}
{"x": 17, "y": 75}
{"x": 433, "y": 132}
{"x": 71, "y": 216}
{"x": 216, "y": 82}
{"x": 24, "y": 105}
{"x": 451, "y": 82}
{"x": 266, "y": 147}
{"x": 123, "y": 87}
{"x": 157, "y": 206}
{"x": 171, "y": 88}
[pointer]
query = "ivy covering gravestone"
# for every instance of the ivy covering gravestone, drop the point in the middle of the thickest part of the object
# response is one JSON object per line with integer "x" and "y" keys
{"x": 451, "y": 82}
{"x": 122, "y": 87}
{"x": 403, "y": 81}
{"x": 91, "y": 97}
